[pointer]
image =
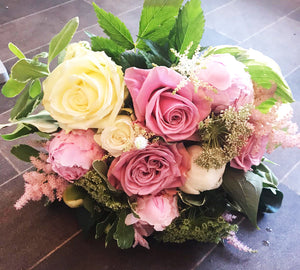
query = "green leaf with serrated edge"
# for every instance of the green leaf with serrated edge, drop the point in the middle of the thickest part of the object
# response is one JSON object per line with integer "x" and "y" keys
{"x": 189, "y": 27}
{"x": 110, "y": 232}
{"x": 15, "y": 50}
{"x": 62, "y": 39}
{"x": 132, "y": 59}
{"x": 114, "y": 28}
{"x": 159, "y": 51}
{"x": 35, "y": 88}
{"x": 245, "y": 189}
{"x": 22, "y": 130}
{"x": 26, "y": 69}
{"x": 101, "y": 226}
{"x": 107, "y": 45}
{"x": 12, "y": 88}
{"x": 24, "y": 152}
{"x": 270, "y": 200}
{"x": 263, "y": 71}
{"x": 157, "y": 20}
{"x": 153, "y": 60}
{"x": 124, "y": 234}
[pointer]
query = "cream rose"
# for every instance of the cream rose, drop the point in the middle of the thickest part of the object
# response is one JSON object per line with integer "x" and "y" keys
{"x": 200, "y": 179}
{"x": 86, "y": 91}
{"x": 117, "y": 137}
{"x": 80, "y": 48}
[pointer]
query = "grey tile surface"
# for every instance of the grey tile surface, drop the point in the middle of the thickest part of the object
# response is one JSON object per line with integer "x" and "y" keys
{"x": 6, "y": 169}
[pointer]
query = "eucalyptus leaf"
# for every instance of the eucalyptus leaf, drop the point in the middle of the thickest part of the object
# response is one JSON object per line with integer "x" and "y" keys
{"x": 62, "y": 39}
{"x": 114, "y": 28}
{"x": 245, "y": 189}
{"x": 107, "y": 45}
{"x": 35, "y": 88}
{"x": 40, "y": 55}
{"x": 124, "y": 234}
{"x": 26, "y": 69}
{"x": 24, "y": 152}
{"x": 22, "y": 130}
{"x": 12, "y": 88}
{"x": 15, "y": 50}
{"x": 157, "y": 20}
{"x": 188, "y": 28}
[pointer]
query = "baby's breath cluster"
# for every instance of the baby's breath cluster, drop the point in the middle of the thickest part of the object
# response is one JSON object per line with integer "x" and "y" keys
{"x": 223, "y": 136}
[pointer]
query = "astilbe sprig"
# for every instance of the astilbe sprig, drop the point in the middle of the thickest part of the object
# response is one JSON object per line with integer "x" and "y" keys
{"x": 42, "y": 182}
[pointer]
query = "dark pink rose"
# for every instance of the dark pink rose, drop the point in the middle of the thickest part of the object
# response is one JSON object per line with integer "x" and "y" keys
{"x": 71, "y": 154}
{"x": 173, "y": 116}
{"x": 251, "y": 153}
{"x": 228, "y": 76}
{"x": 157, "y": 211}
{"x": 150, "y": 170}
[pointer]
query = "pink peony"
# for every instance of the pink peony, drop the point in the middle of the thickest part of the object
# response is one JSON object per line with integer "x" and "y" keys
{"x": 150, "y": 170}
{"x": 158, "y": 211}
{"x": 71, "y": 154}
{"x": 251, "y": 153}
{"x": 173, "y": 116}
{"x": 233, "y": 84}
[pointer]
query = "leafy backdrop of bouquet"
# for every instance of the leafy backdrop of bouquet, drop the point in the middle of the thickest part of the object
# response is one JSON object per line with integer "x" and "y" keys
{"x": 156, "y": 136}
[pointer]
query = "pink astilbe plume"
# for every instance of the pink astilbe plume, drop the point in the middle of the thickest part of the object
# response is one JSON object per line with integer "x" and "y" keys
{"x": 234, "y": 241}
{"x": 43, "y": 182}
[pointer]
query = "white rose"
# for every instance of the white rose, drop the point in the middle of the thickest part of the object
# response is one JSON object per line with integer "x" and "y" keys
{"x": 200, "y": 179}
{"x": 117, "y": 137}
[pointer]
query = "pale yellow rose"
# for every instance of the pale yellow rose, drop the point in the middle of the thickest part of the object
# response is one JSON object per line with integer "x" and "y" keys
{"x": 86, "y": 91}
{"x": 200, "y": 179}
{"x": 77, "y": 49}
{"x": 117, "y": 137}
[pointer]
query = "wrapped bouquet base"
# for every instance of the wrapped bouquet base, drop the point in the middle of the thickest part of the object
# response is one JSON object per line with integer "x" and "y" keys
{"x": 154, "y": 136}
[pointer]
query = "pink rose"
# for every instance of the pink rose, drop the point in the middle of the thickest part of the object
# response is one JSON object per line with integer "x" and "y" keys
{"x": 158, "y": 211}
{"x": 150, "y": 170}
{"x": 251, "y": 153}
{"x": 173, "y": 116}
{"x": 71, "y": 154}
{"x": 233, "y": 84}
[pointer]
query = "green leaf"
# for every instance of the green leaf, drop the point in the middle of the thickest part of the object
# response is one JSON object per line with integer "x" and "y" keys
{"x": 22, "y": 130}
{"x": 107, "y": 45}
{"x": 192, "y": 200}
{"x": 132, "y": 59}
{"x": 245, "y": 189}
{"x": 12, "y": 88}
{"x": 270, "y": 200}
{"x": 24, "y": 152}
{"x": 62, "y": 39}
{"x": 189, "y": 27}
{"x": 84, "y": 219}
{"x": 263, "y": 71}
{"x": 110, "y": 232}
{"x": 114, "y": 28}
{"x": 161, "y": 52}
{"x": 35, "y": 88}
{"x": 40, "y": 55}
{"x": 269, "y": 179}
{"x": 26, "y": 69}
{"x": 157, "y": 20}
{"x": 102, "y": 226}
{"x": 124, "y": 234}
{"x": 15, "y": 50}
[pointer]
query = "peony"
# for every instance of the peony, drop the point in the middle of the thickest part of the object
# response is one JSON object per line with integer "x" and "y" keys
{"x": 158, "y": 211}
{"x": 85, "y": 91}
{"x": 117, "y": 137}
{"x": 173, "y": 116}
{"x": 233, "y": 84}
{"x": 200, "y": 179}
{"x": 251, "y": 153}
{"x": 150, "y": 170}
{"x": 71, "y": 154}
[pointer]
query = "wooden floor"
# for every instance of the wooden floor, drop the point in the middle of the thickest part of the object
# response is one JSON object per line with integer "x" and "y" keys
{"x": 49, "y": 238}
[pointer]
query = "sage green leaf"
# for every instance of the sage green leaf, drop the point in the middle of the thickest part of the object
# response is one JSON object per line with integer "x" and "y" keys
{"x": 62, "y": 39}
{"x": 26, "y": 69}
{"x": 270, "y": 200}
{"x": 114, "y": 28}
{"x": 15, "y": 50}
{"x": 22, "y": 130}
{"x": 40, "y": 55}
{"x": 157, "y": 20}
{"x": 35, "y": 88}
{"x": 189, "y": 27}
{"x": 12, "y": 88}
{"x": 124, "y": 234}
{"x": 245, "y": 189}
{"x": 24, "y": 152}
{"x": 107, "y": 45}
{"x": 269, "y": 178}
{"x": 263, "y": 70}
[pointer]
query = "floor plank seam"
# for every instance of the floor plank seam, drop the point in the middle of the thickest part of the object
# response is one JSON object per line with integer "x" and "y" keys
{"x": 10, "y": 162}
{"x": 219, "y": 7}
{"x": 16, "y": 176}
{"x": 285, "y": 177}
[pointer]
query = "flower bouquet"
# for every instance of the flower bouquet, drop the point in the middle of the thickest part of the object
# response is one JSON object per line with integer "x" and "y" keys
{"x": 154, "y": 137}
